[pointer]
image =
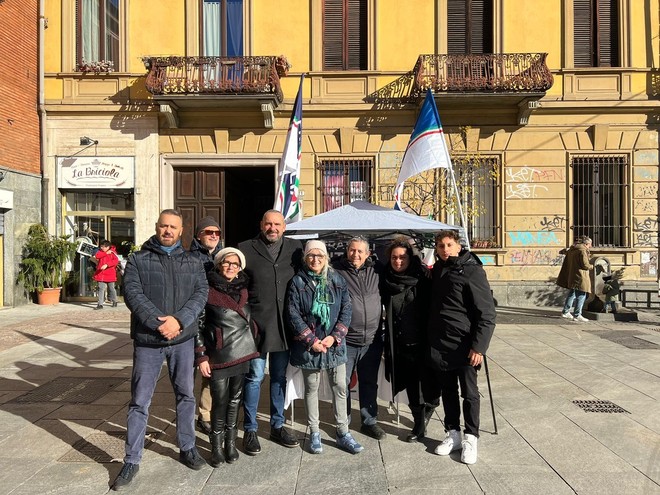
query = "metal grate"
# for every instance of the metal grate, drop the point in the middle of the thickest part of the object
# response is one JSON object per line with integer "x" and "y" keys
{"x": 600, "y": 199}
{"x": 599, "y": 406}
{"x": 345, "y": 181}
{"x": 103, "y": 447}
{"x": 70, "y": 390}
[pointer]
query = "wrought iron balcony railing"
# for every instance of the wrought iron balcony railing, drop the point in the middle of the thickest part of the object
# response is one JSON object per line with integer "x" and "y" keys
{"x": 215, "y": 75}
{"x": 487, "y": 73}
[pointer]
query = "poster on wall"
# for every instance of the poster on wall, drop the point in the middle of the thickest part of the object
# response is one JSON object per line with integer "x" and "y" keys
{"x": 649, "y": 264}
{"x": 96, "y": 172}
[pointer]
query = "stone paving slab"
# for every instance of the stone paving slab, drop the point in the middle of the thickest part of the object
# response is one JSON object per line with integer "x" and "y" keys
{"x": 545, "y": 443}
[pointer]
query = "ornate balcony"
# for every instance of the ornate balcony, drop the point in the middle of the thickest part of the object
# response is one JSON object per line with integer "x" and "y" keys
{"x": 519, "y": 78}
{"x": 184, "y": 82}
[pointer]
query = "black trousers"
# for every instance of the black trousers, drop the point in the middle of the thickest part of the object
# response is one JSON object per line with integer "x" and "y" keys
{"x": 466, "y": 376}
{"x": 226, "y": 396}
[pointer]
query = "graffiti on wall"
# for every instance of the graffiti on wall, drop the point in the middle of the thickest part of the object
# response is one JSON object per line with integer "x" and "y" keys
{"x": 553, "y": 224}
{"x": 535, "y": 257}
{"x": 541, "y": 238}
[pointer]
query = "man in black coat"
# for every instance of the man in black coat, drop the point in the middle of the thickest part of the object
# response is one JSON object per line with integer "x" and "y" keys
{"x": 165, "y": 288}
{"x": 461, "y": 324}
{"x": 271, "y": 261}
{"x": 205, "y": 246}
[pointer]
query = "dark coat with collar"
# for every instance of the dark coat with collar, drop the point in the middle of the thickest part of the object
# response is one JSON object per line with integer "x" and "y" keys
{"x": 160, "y": 284}
{"x": 267, "y": 289}
{"x": 462, "y": 313}
{"x": 207, "y": 257}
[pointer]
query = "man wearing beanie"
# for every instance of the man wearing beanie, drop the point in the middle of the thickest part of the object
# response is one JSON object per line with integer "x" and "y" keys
{"x": 272, "y": 261}
{"x": 205, "y": 246}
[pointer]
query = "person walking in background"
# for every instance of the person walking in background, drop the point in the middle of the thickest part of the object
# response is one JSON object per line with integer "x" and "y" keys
{"x": 460, "y": 327}
{"x": 364, "y": 342}
{"x": 224, "y": 346}
{"x": 205, "y": 245}
{"x": 611, "y": 289}
{"x": 165, "y": 289}
{"x": 574, "y": 276}
{"x": 406, "y": 292}
{"x": 319, "y": 312}
{"x": 272, "y": 261}
{"x": 106, "y": 273}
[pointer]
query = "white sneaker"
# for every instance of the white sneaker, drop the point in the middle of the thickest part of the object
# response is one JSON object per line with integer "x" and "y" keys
{"x": 469, "y": 454}
{"x": 568, "y": 316}
{"x": 451, "y": 442}
{"x": 581, "y": 319}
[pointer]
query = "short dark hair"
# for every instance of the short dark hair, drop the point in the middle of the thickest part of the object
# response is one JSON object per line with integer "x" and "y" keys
{"x": 452, "y": 234}
{"x": 105, "y": 243}
{"x": 171, "y": 211}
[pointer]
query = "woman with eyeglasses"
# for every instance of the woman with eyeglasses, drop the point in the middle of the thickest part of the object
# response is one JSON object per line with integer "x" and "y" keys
{"x": 406, "y": 289}
{"x": 318, "y": 310}
{"x": 224, "y": 347}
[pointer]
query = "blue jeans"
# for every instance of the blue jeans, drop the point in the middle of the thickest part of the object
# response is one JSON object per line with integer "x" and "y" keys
{"x": 366, "y": 360}
{"x": 579, "y": 297}
{"x": 277, "y": 363}
{"x": 147, "y": 363}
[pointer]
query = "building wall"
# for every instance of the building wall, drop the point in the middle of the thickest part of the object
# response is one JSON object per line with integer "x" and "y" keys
{"x": 20, "y": 191}
{"x": 587, "y": 111}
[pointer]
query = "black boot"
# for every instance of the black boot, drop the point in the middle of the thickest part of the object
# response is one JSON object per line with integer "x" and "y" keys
{"x": 419, "y": 428}
{"x": 217, "y": 455}
{"x": 231, "y": 453}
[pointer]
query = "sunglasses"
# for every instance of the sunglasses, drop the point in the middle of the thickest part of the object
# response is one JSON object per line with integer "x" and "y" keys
{"x": 211, "y": 232}
{"x": 232, "y": 264}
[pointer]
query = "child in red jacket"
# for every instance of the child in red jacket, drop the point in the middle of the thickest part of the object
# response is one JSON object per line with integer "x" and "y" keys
{"x": 106, "y": 272}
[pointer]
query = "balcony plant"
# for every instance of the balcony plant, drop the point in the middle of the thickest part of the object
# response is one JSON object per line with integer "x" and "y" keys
{"x": 282, "y": 66}
{"x": 105, "y": 66}
{"x": 42, "y": 268}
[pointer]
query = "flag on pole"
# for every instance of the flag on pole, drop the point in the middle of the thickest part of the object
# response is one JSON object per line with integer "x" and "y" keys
{"x": 287, "y": 200}
{"x": 426, "y": 149}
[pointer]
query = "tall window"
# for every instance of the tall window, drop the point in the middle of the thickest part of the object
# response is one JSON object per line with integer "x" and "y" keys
{"x": 595, "y": 33}
{"x": 97, "y": 31}
{"x": 344, "y": 34}
{"x": 344, "y": 181}
{"x": 599, "y": 199}
{"x": 477, "y": 180}
{"x": 469, "y": 26}
{"x": 222, "y": 28}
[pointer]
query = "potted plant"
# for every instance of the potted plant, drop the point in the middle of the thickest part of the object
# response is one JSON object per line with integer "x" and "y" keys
{"x": 42, "y": 268}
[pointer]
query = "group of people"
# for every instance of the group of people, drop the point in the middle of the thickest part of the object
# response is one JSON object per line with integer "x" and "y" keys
{"x": 226, "y": 310}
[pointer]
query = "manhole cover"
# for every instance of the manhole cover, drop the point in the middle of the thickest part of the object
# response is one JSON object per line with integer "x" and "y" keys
{"x": 70, "y": 390}
{"x": 103, "y": 447}
{"x": 599, "y": 406}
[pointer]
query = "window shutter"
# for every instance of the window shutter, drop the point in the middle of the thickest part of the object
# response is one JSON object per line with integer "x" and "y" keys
{"x": 608, "y": 34}
{"x": 333, "y": 28}
{"x": 457, "y": 19}
{"x": 357, "y": 35}
{"x": 582, "y": 34}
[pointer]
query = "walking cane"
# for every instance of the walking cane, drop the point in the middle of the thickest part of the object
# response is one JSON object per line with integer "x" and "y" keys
{"x": 490, "y": 393}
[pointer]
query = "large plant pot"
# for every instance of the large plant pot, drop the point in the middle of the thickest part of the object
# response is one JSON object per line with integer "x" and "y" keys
{"x": 49, "y": 296}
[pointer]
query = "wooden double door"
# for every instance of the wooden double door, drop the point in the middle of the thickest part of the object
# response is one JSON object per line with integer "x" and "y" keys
{"x": 236, "y": 197}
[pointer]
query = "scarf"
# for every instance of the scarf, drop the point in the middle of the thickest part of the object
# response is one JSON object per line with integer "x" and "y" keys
{"x": 320, "y": 306}
{"x": 231, "y": 288}
{"x": 169, "y": 249}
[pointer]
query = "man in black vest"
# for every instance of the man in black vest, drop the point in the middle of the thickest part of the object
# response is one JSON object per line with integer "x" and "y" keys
{"x": 271, "y": 261}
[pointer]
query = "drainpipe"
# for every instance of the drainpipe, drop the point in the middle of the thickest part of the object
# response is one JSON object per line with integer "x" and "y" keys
{"x": 42, "y": 117}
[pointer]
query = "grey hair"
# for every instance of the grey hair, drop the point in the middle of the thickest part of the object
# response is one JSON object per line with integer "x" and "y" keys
{"x": 585, "y": 239}
{"x": 359, "y": 238}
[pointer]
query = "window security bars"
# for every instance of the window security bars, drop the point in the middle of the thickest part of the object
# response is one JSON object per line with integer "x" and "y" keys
{"x": 344, "y": 181}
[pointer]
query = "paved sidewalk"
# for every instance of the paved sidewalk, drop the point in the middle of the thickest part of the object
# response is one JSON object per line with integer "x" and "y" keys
{"x": 65, "y": 383}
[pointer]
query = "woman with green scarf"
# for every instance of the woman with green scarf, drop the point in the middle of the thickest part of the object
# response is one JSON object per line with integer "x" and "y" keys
{"x": 318, "y": 310}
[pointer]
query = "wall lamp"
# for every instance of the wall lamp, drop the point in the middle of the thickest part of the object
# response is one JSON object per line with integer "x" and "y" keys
{"x": 87, "y": 141}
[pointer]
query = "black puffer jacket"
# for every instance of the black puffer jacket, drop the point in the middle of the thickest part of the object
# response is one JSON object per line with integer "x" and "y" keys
{"x": 229, "y": 334}
{"x": 160, "y": 284}
{"x": 365, "y": 299}
{"x": 462, "y": 314}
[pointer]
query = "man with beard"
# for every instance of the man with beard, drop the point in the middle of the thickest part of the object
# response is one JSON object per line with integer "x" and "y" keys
{"x": 271, "y": 261}
{"x": 165, "y": 289}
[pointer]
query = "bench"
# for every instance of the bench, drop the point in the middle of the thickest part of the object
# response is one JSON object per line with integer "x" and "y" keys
{"x": 650, "y": 292}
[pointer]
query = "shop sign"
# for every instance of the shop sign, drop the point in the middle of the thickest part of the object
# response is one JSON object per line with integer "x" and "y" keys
{"x": 96, "y": 172}
{"x": 6, "y": 199}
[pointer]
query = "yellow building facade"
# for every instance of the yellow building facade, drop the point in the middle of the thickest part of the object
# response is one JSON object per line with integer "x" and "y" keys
{"x": 559, "y": 98}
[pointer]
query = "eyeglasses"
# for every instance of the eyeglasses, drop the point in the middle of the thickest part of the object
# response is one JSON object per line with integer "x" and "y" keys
{"x": 211, "y": 232}
{"x": 315, "y": 256}
{"x": 230, "y": 264}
